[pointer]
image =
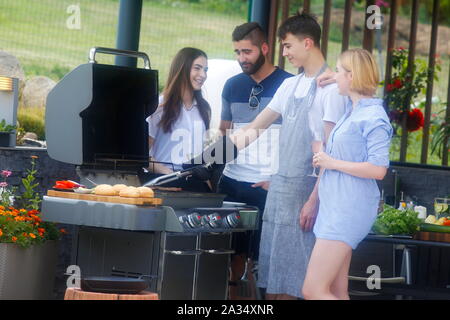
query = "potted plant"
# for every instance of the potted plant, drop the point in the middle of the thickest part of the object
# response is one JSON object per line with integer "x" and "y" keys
{"x": 28, "y": 246}
{"x": 404, "y": 85}
{"x": 5, "y": 133}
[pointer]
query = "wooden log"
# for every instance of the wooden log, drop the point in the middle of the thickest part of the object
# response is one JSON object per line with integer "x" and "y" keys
{"x": 78, "y": 294}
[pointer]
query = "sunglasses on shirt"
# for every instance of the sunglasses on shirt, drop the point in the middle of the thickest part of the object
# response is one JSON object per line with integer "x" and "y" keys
{"x": 253, "y": 100}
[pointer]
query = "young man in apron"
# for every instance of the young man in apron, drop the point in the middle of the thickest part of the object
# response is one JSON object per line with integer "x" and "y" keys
{"x": 308, "y": 113}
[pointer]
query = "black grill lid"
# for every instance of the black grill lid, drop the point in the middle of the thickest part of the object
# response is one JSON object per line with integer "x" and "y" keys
{"x": 96, "y": 115}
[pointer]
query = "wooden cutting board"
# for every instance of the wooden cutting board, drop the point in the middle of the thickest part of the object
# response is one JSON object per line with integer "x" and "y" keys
{"x": 112, "y": 199}
{"x": 432, "y": 236}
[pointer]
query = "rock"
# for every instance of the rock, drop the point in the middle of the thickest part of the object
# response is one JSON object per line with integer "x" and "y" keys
{"x": 33, "y": 143}
{"x": 36, "y": 91}
{"x": 10, "y": 67}
{"x": 30, "y": 135}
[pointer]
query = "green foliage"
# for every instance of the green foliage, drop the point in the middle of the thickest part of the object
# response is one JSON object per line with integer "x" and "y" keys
{"x": 6, "y": 127}
{"x": 55, "y": 72}
{"x": 440, "y": 132}
{"x": 237, "y": 7}
{"x": 32, "y": 120}
{"x": 405, "y": 85}
{"x": 30, "y": 198}
{"x": 393, "y": 221}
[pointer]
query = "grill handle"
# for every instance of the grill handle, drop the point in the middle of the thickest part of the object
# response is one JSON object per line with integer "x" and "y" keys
{"x": 127, "y": 53}
{"x": 213, "y": 251}
{"x": 184, "y": 253}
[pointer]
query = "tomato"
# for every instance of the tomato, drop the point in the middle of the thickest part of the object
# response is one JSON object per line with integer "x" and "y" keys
{"x": 447, "y": 223}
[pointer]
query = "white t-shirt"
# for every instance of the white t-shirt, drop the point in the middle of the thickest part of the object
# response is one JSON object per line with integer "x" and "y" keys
{"x": 184, "y": 141}
{"x": 328, "y": 104}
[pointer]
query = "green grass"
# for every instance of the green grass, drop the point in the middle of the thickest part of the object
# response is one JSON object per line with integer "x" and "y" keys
{"x": 36, "y": 33}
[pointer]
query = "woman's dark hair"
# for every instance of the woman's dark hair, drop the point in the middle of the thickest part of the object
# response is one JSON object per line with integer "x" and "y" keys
{"x": 179, "y": 80}
{"x": 302, "y": 25}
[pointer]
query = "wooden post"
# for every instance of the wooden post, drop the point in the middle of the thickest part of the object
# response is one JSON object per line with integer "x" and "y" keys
{"x": 429, "y": 94}
{"x": 326, "y": 27}
{"x": 410, "y": 69}
{"x": 346, "y": 28}
{"x": 272, "y": 34}
{"x": 368, "y": 33}
{"x": 306, "y": 6}
{"x": 445, "y": 143}
{"x": 284, "y": 16}
{"x": 391, "y": 42}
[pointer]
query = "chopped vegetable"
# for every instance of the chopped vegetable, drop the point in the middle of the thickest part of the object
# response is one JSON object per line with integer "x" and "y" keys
{"x": 393, "y": 221}
{"x": 67, "y": 184}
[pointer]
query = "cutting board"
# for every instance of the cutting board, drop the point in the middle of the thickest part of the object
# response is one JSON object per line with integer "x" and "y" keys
{"x": 432, "y": 236}
{"x": 112, "y": 199}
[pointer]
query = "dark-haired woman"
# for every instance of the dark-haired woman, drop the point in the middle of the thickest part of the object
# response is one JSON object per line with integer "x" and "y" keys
{"x": 177, "y": 128}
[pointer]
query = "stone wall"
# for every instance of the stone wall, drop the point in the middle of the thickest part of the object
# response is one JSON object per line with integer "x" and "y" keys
{"x": 18, "y": 160}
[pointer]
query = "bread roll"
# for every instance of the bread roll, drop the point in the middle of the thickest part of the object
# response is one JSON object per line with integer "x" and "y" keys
{"x": 129, "y": 192}
{"x": 104, "y": 190}
{"x": 118, "y": 188}
{"x": 146, "y": 192}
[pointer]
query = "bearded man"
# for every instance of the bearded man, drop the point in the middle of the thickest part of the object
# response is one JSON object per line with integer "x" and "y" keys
{"x": 244, "y": 96}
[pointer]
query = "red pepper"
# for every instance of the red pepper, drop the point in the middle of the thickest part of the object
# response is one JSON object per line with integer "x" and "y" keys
{"x": 447, "y": 223}
{"x": 65, "y": 184}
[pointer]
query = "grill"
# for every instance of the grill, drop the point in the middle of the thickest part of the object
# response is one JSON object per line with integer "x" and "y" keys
{"x": 95, "y": 119}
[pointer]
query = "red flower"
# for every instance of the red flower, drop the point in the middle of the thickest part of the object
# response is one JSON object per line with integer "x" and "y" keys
{"x": 398, "y": 83}
{"x": 415, "y": 120}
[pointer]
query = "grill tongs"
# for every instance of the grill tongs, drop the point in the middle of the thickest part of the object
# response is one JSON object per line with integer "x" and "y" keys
{"x": 199, "y": 171}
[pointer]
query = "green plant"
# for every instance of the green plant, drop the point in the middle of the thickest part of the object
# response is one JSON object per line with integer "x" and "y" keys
{"x": 393, "y": 221}
{"x": 6, "y": 190}
{"x": 6, "y": 127}
{"x": 20, "y": 220}
{"x": 30, "y": 198}
{"x": 406, "y": 86}
{"x": 440, "y": 135}
{"x": 32, "y": 120}
{"x": 25, "y": 227}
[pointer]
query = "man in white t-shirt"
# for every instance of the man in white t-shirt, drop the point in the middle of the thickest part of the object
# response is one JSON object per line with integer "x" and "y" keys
{"x": 309, "y": 114}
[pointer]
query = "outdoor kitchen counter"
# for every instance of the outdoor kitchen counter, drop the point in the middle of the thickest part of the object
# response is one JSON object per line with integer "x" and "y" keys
{"x": 406, "y": 241}
{"x": 422, "y": 265}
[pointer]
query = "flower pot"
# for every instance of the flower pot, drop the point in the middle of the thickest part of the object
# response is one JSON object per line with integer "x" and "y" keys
{"x": 4, "y": 139}
{"x": 27, "y": 274}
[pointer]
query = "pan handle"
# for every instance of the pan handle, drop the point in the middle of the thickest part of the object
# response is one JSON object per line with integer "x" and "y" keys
{"x": 127, "y": 53}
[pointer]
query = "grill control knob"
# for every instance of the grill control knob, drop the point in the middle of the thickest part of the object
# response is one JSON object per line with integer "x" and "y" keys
{"x": 194, "y": 220}
{"x": 232, "y": 220}
{"x": 215, "y": 220}
{"x": 204, "y": 220}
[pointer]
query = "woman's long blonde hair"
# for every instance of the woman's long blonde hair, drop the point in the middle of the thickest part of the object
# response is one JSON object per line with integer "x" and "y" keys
{"x": 364, "y": 68}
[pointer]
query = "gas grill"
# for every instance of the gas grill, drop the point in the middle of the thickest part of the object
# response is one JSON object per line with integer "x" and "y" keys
{"x": 95, "y": 119}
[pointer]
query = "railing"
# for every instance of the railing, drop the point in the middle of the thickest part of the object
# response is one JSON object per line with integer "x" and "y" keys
{"x": 367, "y": 43}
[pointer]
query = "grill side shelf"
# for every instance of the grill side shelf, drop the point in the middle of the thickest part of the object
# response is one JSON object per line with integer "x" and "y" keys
{"x": 112, "y": 199}
{"x": 109, "y": 215}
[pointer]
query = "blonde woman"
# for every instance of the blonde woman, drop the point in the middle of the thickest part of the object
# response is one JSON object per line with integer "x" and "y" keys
{"x": 357, "y": 154}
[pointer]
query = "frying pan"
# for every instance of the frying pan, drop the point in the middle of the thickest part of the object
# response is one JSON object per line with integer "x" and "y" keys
{"x": 117, "y": 285}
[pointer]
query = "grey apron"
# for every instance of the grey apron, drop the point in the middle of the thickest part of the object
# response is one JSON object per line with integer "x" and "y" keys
{"x": 285, "y": 249}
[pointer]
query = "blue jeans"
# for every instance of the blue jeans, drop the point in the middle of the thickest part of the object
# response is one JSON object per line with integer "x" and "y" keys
{"x": 238, "y": 191}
